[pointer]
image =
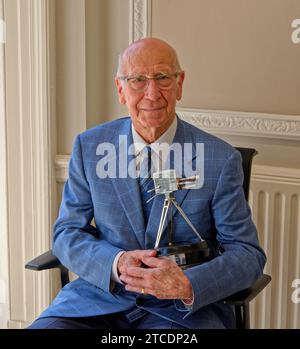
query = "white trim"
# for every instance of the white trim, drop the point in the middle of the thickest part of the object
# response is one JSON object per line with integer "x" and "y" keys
{"x": 2, "y": 31}
{"x": 274, "y": 174}
{"x": 4, "y": 258}
{"x": 50, "y": 69}
{"x": 243, "y": 123}
{"x": 43, "y": 149}
{"x": 140, "y": 13}
{"x": 29, "y": 127}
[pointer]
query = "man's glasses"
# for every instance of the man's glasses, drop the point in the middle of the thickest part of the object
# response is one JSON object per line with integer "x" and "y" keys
{"x": 140, "y": 83}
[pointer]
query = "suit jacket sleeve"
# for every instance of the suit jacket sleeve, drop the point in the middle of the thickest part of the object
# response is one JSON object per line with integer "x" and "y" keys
{"x": 243, "y": 260}
{"x": 76, "y": 243}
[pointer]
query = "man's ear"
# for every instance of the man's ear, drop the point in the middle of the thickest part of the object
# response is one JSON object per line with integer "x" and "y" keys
{"x": 179, "y": 85}
{"x": 120, "y": 88}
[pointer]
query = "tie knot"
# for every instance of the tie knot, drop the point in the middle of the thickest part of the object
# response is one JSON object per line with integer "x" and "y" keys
{"x": 147, "y": 150}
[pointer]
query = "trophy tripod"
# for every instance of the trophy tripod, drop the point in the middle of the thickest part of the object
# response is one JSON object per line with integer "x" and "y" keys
{"x": 187, "y": 254}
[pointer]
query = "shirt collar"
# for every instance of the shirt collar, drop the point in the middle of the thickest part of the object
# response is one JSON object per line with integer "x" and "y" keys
{"x": 166, "y": 137}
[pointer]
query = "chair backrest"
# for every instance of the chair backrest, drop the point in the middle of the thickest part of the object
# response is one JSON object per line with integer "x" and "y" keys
{"x": 247, "y": 156}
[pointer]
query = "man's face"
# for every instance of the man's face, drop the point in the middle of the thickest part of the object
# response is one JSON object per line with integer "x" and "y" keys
{"x": 154, "y": 107}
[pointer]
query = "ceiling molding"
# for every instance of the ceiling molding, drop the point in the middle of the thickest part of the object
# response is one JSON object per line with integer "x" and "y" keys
{"x": 243, "y": 123}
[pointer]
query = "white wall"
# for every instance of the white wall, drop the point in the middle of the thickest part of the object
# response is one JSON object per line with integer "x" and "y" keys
{"x": 238, "y": 56}
{"x": 238, "y": 53}
{"x": 89, "y": 36}
{"x": 4, "y": 282}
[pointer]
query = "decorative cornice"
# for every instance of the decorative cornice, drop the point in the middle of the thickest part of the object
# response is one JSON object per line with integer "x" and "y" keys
{"x": 244, "y": 124}
{"x": 139, "y": 19}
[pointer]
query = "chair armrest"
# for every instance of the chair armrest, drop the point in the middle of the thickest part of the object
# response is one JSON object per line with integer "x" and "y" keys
{"x": 246, "y": 296}
{"x": 43, "y": 262}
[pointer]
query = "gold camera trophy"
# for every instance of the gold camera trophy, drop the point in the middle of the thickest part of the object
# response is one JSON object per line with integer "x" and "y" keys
{"x": 184, "y": 255}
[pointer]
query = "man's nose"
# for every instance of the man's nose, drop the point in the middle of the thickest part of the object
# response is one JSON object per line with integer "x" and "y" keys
{"x": 152, "y": 92}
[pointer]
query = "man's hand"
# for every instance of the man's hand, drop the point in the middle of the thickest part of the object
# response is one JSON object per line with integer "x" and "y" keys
{"x": 163, "y": 279}
{"x": 133, "y": 259}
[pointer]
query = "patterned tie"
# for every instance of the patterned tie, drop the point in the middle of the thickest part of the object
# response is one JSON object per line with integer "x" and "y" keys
{"x": 146, "y": 182}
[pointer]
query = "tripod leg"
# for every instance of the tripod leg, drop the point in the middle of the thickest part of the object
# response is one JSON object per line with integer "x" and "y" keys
{"x": 187, "y": 219}
{"x": 163, "y": 217}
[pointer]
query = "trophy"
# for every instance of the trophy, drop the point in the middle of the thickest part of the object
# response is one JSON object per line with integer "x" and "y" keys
{"x": 187, "y": 254}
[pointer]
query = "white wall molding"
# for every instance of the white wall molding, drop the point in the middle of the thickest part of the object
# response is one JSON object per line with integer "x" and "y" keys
{"x": 29, "y": 133}
{"x": 139, "y": 19}
{"x": 4, "y": 265}
{"x": 274, "y": 174}
{"x": 243, "y": 123}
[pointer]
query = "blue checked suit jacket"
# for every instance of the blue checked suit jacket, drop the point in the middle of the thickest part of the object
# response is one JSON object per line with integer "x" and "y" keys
{"x": 115, "y": 205}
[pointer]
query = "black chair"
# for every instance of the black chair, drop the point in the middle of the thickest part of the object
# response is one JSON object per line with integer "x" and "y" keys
{"x": 240, "y": 300}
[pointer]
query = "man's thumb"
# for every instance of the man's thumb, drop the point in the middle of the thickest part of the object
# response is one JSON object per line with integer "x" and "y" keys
{"x": 151, "y": 253}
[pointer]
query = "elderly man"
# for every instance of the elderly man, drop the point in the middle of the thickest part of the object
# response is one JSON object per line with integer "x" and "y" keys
{"x": 122, "y": 282}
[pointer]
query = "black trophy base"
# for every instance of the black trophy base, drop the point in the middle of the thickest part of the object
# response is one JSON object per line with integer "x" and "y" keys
{"x": 188, "y": 255}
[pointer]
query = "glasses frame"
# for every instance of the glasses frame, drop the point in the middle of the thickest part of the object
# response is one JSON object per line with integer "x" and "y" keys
{"x": 147, "y": 79}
